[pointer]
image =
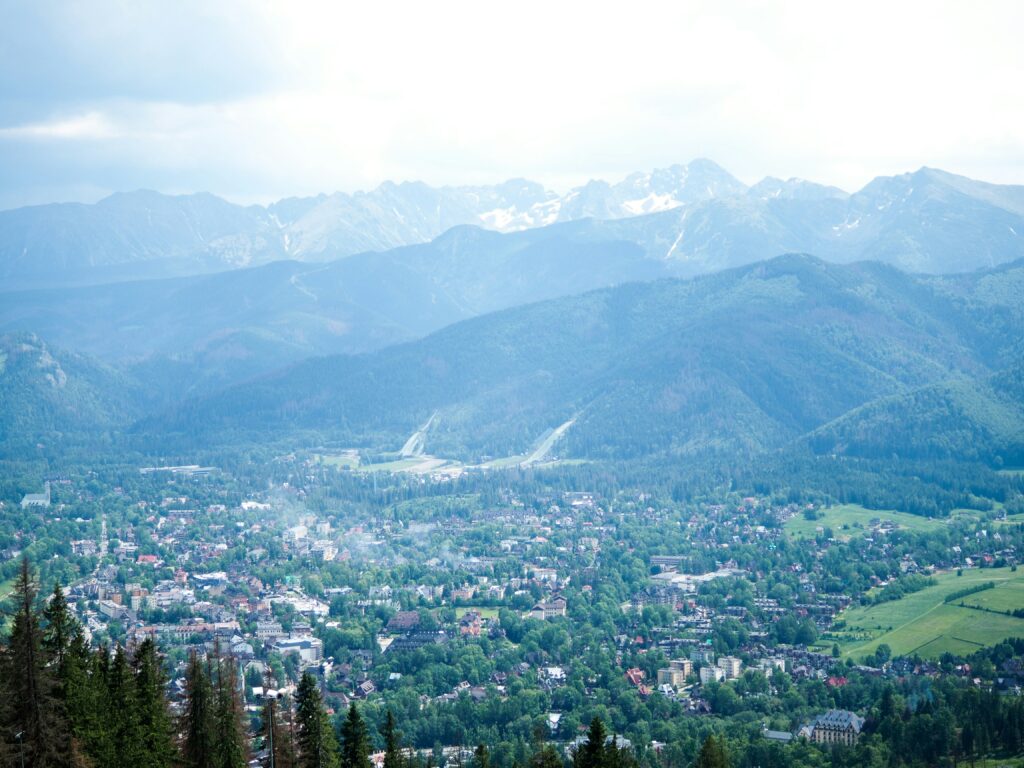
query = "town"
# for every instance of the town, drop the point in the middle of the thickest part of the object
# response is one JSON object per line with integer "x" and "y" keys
{"x": 498, "y": 609}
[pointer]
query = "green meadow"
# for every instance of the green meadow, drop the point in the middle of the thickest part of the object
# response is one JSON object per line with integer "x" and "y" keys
{"x": 849, "y": 520}
{"x": 925, "y": 624}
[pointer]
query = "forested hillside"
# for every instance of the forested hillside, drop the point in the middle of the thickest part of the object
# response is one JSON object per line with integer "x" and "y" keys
{"x": 744, "y": 360}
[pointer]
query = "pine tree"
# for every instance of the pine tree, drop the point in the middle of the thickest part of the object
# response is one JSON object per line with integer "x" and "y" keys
{"x": 592, "y": 753}
{"x": 318, "y": 747}
{"x": 355, "y": 741}
{"x": 157, "y": 747}
{"x": 229, "y": 723}
{"x": 60, "y": 629}
{"x": 712, "y": 754}
{"x": 90, "y": 704}
{"x": 278, "y": 733}
{"x": 33, "y": 721}
{"x": 481, "y": 757}
{"x": 393, "y": 757}
{"x": 546, "y": 757}
{"x": 200, "y": 722}
{"x": 124, "y": 715}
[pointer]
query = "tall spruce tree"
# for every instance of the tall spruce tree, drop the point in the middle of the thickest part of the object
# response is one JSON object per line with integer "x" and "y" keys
{"x": 157, "y": 747}
{"x": 355, "y": 741}
{"x": 393, "y": 757}
{"x": 318, "y": 748}
{"x": 200, "y": 718}
{"x": 277, "y": 731}
{"x": 123, "y": 713}
{"x": 60, "y": 629}
{"x": 34, "y": 726}
{"x": 481, "y": 757}
{"x": 712, "y": 754}
{"x": 591, "y": 753}
{"x": 229, "y": 723}
{"x": 546, "y": 757}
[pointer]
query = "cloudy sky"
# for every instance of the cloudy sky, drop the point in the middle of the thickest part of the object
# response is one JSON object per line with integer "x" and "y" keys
{"x": 257, "y": 101}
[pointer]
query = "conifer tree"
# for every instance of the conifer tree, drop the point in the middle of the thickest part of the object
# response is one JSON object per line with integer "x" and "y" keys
{"x": 546, "y": 757}
{"x": 60, "y": 629}
{"x": 124, "y": 715}
{"x": 200, "y": 717}
{"x": 318, "y": 747}
{"x": 355, "y": 741}
{"x": 229, "y": 724}
{"x": 591, "y": 754}
{"x": 33, "y": 722}
{"x": 393, "y": 757}
{"x": 481, "y": 757}
{"x": 157, "y": 748}
{"x": 712, "y": 754}
{"x": 277, "y": 733}
{"x": 89, "y": 706}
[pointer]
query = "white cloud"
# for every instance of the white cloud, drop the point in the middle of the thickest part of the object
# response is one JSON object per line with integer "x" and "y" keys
{"x": 91, "y": 125}
{"x": 561, "y": 92}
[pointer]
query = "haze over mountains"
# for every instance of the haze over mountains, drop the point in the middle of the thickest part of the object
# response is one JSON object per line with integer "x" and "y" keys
{"x": 701, "y": 219}
{"x": 656, "y": 314}
{"x": 740, "y": 361}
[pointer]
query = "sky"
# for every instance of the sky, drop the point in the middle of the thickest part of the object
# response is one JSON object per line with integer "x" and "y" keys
{"x": 256, "y": 101}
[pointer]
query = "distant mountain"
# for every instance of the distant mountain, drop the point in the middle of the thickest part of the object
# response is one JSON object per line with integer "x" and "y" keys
{"x": 964, "y": 419}
{"x": 698, "y": 216}
{"x": 738, "y": 362}
{"x": 207, "y": 331}
{"x": 53, "y": 397}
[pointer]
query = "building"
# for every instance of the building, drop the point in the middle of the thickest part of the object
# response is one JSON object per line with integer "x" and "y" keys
{"x": 310, "y": 650}
{"x": 711, "y": 675}
{"x": 37, "y": 499}
{"x": 837, "y": 726}
{"x": 673, "y": 677}
{"x": 269, "y": 630}
{"x": 731, "y": 666}
{"x": 684, "y": 665}
{"x": 404, "y": 621}
{"x": 470, "y": 624}
{"x": 548, "y": 610}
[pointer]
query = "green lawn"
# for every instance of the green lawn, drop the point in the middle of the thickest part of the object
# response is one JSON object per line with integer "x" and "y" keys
{"x": 1006, "y": 596}
{"x": 849, "y": 520}
{"x": 507, "y": 461}
{"x": 345, "y": 460}
{"x": 485, "y": 613}
{"x": 923, "y": 623}
{"x": 392, "y": 466}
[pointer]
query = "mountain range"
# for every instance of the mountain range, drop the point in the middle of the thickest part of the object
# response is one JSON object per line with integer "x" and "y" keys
{"x": 697, "y": 217}
{"x": 791, "y": 351}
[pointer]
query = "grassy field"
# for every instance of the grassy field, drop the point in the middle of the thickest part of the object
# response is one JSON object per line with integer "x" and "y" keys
{"x": 849, "y": 520}
{"x": 1006, "y": 596}
{"x": 923, "y": 623}
{"x": 392, "y": 466}
{"x": 344, "y": 460}
{"x": 485, "y": 613}
{"x": 507, "y": 461}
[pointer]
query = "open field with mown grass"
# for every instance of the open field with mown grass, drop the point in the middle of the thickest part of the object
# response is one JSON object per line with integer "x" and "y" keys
{"x": 849, "y": 520}
{"x": 1005, "y": 596}
{"x": 924, "y": 623}
{"x": 485, "y": 613}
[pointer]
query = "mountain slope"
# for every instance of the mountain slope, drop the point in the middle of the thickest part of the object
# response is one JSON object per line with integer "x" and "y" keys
{"x": 741, "y": 361}
{"x": 962, "y": 419}
{"x": 696, "y": 216}
{"x": 216, "y": 329}
{"x": 52, "y": 398}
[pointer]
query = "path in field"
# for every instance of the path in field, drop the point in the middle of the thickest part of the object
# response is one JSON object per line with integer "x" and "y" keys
{"x": 542, "y": 450}
{"x": 417, "y": 442}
